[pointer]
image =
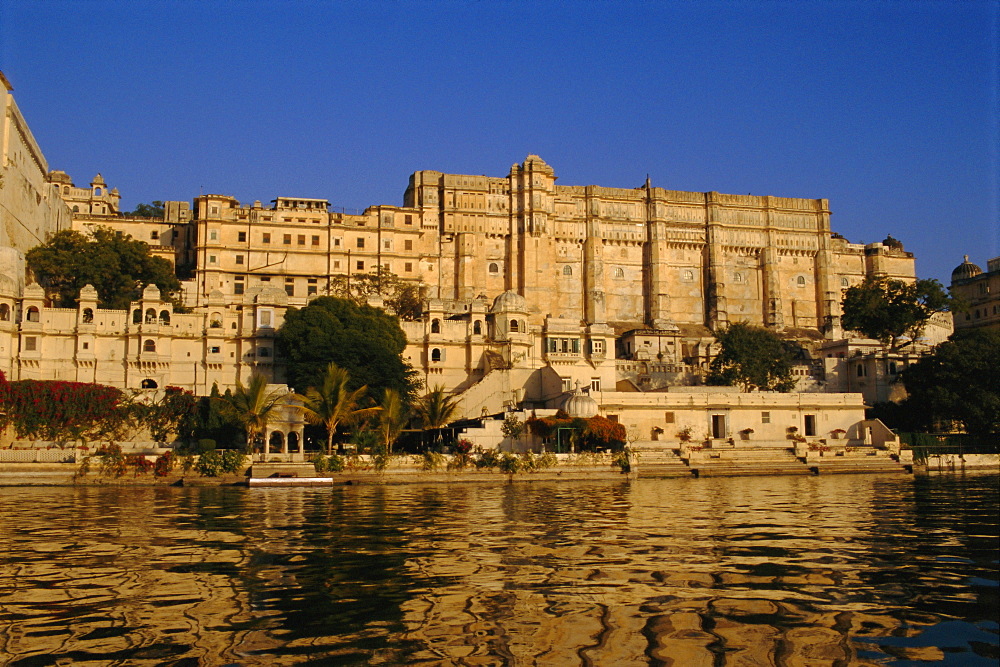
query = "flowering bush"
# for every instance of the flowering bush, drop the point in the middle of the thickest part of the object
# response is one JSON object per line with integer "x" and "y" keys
{"x": 593, "y": 433}
{"x": 62, "y": 411}
{"x": 164, "y": 464}
{"x": 140, "y": 463}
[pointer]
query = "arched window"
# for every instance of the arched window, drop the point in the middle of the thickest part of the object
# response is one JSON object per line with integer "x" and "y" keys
{"x": 65, "y": 189}
{"x": 567, "y": 270}
{"x": 619, "y": 272}
{"x": 150, "y": 316}
{"x": 33, "y": 314}
{"x": 4, "y": 312}
{"x": 844, "y": 282}
{"x": 688, "y": 275}
{"x": 76, "y": 209}
{"x": 801, "y": 281}
{"x": 97, "y": 192}
{"x": 88, "y": 315}
{"x": 148, "y": 384}
{"x": 215, "y": 321}
{"x": 494, "y": 268}
{"x": 137, "y": 316}
{"x": 477, "y": 328}
{"x": 435, "y": 326}
{"x": 435, "y": 354}
{"x": 293, "y": 441}
{"x": 164, "y": 317}
{"x": 149, "y": 346}
{"x": 738, "y": 277}
{"x": 276, "y": 441}
{"x": 514, "y": 327}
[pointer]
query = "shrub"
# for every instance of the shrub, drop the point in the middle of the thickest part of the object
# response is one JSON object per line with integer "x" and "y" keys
{"x": 233, "y": 462}
{"x": 546, "y": 460}
{"x": 622, "y": 461}
{"x": 336, "y": 463}
{"x": 187, "y": 463}
{"x": 460, "y": 461}
{"x": 205, "y": 445}
{"x": 510, "y": 463}
{"x": 487, "y": 458}
{"x": 164, "y": 464}
{"x": 209, "y": 464}
{"x": 434, "y": 460}
{"x": 112, "y": 460}
{"x": 140, "y": 463}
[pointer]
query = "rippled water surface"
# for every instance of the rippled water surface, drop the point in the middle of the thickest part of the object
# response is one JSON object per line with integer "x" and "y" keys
{"x": 784, "y": 570}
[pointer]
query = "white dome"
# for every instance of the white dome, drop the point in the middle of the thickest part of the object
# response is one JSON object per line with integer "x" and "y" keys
{"x": 580, "y": 405}
{"x": 509, "y": 301}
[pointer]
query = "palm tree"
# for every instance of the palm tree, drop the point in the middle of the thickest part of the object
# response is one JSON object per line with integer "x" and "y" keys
{"x": 332, "y": 403}
{"x": 253, "y": 406}
{"x": 395, "y": 413}
{"x": 437, "y": 409}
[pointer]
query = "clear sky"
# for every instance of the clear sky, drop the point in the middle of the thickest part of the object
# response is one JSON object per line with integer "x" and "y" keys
{"x": 887, "y": 109}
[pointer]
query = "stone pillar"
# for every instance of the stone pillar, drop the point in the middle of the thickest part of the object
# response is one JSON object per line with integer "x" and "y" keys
{"x": 716, "y": 306}
{"x": 655, "y": 258}
{"x": 593, "y": 264}
{"x": 465, "y": 280}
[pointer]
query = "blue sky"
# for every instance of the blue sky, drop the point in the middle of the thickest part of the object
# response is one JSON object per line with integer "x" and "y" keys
{"x": 887, "y": 109}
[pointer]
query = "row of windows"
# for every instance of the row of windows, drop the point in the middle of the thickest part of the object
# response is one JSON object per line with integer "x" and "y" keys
{"x": 985, "y": 313}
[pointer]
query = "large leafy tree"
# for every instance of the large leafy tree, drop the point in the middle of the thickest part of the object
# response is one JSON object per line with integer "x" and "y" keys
{"x": 888, "y": 310}
{"x": 752, "y": 358}
{"x": 959, "y": 382}
{"x": 367, "y": 342}
{"x": 401, "y": 297}
{"x": 154, "y": 210}
{"x": 332, "y": 403}
{"x": 253, "y": 406}
{"x": 117, "y": 265}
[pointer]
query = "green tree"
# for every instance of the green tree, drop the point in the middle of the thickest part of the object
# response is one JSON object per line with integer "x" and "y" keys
{"x": 436, "y": 410}
{"x": 173, "y": 414}
{"x": 394, "y": 415}
{"x": 118, "y": 266}
{"x": 401, "y": 297}
{"x": 365, "y": 341}
{"x": 333, "y": 402}
{"x": 154, "y": 210}
{"x": 959, "y": 381}
{"x": 888, "y": 310}
{"x": 254, "y": 407}
{"x": 214, "y": 423}
{"x": 752, "y": 358}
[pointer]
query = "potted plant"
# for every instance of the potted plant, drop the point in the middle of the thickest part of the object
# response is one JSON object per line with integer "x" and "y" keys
{"x": 746, "y": 433}
{"x": 837, "y": 433}
{"x": 684, "y": 435}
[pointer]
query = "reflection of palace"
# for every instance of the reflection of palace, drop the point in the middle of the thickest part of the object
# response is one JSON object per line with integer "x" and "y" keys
{"x": 790, "y": 570}
{"x": 531, "y": 287}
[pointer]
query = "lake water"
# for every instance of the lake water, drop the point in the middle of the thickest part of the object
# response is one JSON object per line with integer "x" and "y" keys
{"x": 836, "y": 570}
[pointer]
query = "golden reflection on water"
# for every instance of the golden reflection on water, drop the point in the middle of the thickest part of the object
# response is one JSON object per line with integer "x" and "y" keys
{"x": 764, "y": 571}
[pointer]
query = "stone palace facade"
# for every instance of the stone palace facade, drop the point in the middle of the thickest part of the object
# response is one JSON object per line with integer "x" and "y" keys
{"x": 541, "y": 286}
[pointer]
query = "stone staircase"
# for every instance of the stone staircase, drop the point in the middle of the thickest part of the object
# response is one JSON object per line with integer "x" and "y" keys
{"x": 728, "y": 462}
{"x": 656, "y": 459}
{"x": 778, "y": 457}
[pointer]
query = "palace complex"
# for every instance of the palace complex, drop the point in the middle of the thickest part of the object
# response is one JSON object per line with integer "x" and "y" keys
{"x": 529, "y": 288}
